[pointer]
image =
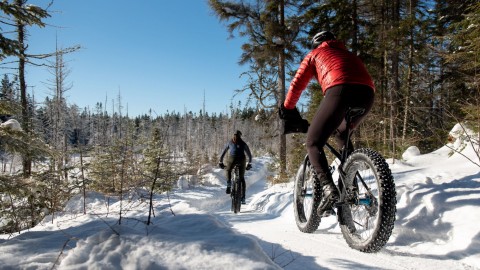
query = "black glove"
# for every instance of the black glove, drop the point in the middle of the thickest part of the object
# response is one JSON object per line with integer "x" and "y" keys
{"x": 296, "y": 126}
{"x": 221, "y": 165}
{"x": 249, "y": 166}
{"x": 293, "y": 121}
{"x": 288, "y": 114}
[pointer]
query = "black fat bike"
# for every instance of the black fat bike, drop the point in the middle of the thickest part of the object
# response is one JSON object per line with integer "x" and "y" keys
{"x": 237, "y": 190}
{"x": 367, "y": 204}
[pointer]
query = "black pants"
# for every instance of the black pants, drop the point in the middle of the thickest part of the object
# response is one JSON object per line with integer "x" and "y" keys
{"x": 241, "y": 161}
{"x": 330, "y": 118}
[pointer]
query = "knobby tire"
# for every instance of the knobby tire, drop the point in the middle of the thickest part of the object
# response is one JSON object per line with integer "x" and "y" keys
{"x": 306, "y": 198}
{"x": 236, "y": 192}
{"x": 368, "y": 227}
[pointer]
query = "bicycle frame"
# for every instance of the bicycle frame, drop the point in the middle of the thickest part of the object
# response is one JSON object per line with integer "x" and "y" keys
{"x": 350, "y": 114}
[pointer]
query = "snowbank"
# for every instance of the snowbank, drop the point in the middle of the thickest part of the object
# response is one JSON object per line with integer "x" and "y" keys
{"x": 411, "y": 151}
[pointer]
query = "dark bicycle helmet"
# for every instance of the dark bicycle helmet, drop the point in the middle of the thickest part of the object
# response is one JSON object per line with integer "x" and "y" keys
{"x": 238, "y": 133}
{"x": 321, "y": 37}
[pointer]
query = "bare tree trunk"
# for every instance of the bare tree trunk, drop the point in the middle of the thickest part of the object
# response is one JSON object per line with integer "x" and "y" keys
{"x": 395, "y": 76}
{"x": 385, "y": 93}
{"x": 355, "y": 27}
{"x": 409, "y": 77}
{"x": 79, "y": 129}
{"x": 27, "y": 160}
{"x": 58, "y": 87}
{"x": 384, "y": 76}
{"x": 152, "y": 188}
{"x": 281, "y": 90}
{"x": 82, "y": 175}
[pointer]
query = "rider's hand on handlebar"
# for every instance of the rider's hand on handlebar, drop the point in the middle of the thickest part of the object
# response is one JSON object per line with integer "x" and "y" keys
{"x": 293, "y": 120}
{"x": 249, "y": 166}
{"x": 288, "y": 114}
{"x": 221, "y": 165}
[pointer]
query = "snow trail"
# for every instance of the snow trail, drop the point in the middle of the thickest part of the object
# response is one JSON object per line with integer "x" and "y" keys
{"x": 436, "y": 227}
{"x": 421, "y": 238}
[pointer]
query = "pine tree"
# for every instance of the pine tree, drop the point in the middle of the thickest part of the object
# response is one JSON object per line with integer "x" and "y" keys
{"x": 466, "y": 58}
{"x": 27, "y": 15}
{"x": 157, "y": 167}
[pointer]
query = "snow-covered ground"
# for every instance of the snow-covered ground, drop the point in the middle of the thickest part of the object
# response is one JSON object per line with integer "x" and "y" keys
{"x": 437, "y": 226}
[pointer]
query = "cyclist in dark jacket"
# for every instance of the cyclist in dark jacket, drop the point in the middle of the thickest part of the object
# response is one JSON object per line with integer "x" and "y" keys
{"x": 236, "y": 149}
{"x": 345, "y": 83}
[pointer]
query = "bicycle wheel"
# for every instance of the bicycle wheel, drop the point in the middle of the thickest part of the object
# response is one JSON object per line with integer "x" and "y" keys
{"x": 306, "y": 198}
{"x": 236, "y": 192}
{"x": 368, "y": 217}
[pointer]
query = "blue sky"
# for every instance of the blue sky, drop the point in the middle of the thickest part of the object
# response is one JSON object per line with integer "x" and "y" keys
{"x": 160, "y": 55}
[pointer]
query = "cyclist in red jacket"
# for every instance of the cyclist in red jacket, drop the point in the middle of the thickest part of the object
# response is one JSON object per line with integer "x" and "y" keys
{"x": 345, "y": 83}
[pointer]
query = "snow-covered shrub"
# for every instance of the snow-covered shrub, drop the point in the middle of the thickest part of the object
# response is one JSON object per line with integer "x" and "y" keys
{"x": 460, "y": 136}
{"x": 204, "y": 169}
{"x": 411, "y": 151}
{"x": 11, "y": 124}
{"x": 183, "y": 182}
{"x": 187, "y": 181}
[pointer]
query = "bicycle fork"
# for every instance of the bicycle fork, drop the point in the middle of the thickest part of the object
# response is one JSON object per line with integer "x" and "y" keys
{"x": 350, "y": 194}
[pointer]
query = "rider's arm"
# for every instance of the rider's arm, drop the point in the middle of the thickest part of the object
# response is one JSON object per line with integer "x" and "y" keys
{"x": 304, "y": 74}
{"x": 224, "y": 152}
{"x": 249, "y": 154}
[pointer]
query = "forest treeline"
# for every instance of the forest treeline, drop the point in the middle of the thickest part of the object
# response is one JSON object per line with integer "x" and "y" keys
{"x": 423, "y": 56}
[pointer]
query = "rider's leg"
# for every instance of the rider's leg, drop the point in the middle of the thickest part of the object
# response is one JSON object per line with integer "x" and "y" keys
{"x": 228, "y": 171}
{"x": 356, "y": 96}
{"x": 328, "y": 117}
{"x": 336, "y": 102}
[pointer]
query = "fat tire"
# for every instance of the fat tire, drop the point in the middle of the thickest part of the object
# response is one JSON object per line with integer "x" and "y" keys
{"x": 305, "y": 212}
{"x": 384, "y": 218}
{"x": 236, "y": 198}
{"x": 236, "y": 193}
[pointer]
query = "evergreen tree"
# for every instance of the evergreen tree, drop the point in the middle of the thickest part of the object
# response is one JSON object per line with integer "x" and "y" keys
{"x": 465, "y": 57}
{"x": 27, "y": 15}
{"x": 113, "y": 167}
{"x": 157, "y": 167}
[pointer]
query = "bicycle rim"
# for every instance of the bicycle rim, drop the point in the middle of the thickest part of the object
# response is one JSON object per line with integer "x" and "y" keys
{"x": 307, "y": 197}
{"x": 367, "y": 219}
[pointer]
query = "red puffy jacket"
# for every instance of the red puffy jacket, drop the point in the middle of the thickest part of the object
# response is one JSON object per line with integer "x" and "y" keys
{"x": 331, "y": 64}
